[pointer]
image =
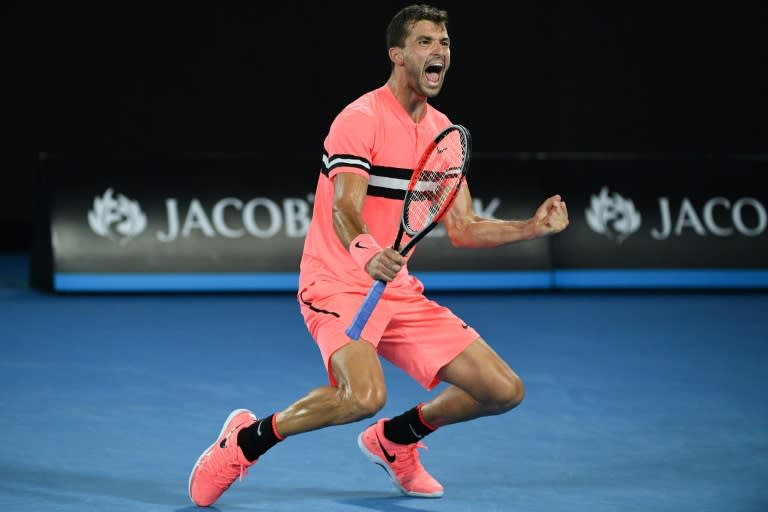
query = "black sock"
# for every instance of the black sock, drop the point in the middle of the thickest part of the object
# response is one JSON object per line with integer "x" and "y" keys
{"x": 407, "y": 428}
{"x": 258, "y": 438}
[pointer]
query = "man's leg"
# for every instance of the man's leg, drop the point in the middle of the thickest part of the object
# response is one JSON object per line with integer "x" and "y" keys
{"x": 360, "y": 393}
{"x": 481, "y": 384}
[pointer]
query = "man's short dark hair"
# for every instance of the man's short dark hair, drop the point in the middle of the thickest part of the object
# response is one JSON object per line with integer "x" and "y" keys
{"x": 400, "y": 25}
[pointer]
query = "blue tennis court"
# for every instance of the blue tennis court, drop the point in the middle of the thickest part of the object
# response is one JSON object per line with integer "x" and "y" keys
{"x": 635, "y": 401}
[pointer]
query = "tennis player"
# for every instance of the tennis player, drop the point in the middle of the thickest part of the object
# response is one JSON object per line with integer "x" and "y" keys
{"x": 372, "y": 146}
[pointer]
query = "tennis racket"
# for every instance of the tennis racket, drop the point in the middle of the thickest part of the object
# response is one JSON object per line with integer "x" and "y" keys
{"x": 431, "y": 191}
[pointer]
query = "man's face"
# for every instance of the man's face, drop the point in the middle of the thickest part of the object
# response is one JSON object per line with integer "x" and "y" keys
{"x": 427, "y": 56}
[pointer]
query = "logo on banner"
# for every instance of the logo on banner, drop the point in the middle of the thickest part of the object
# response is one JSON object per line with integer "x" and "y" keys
{"x": 116, "y": 217}
{"x": 612, "y": 215}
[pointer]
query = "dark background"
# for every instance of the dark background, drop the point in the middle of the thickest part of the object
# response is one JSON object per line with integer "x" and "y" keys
{"x": 527, "y": 78}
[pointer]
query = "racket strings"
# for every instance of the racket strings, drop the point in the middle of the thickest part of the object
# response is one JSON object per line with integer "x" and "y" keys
{"x": 436, "y": 183}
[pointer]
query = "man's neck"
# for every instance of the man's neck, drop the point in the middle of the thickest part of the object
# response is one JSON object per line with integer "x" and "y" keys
{"x": 413, "y": 104}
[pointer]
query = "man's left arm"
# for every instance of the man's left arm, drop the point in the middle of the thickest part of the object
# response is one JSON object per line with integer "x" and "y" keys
{"x": 466, "y": 228}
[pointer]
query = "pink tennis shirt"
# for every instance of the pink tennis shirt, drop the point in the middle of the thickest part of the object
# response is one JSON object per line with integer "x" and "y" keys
{"x": 374, "y": 137}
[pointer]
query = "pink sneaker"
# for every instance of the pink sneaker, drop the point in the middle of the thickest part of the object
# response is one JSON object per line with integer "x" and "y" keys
{"x": 400, "y": 461}
{"x": 222, "y": 463}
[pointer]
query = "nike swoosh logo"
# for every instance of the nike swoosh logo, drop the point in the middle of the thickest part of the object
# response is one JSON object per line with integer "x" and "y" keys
{"x": 390, "y": 458}
{"x": 223, "y": 442}
{"x": 258, "y": 429}
{"x": 441, "y": 150}
{"x": 414, "y": 432}
{"x": 357, "y": 244}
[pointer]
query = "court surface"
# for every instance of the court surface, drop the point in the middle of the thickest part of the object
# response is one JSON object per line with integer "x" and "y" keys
{"x": 635, "y": 402}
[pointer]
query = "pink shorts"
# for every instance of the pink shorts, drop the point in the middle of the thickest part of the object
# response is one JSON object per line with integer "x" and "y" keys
{"x": 412, "y": 332}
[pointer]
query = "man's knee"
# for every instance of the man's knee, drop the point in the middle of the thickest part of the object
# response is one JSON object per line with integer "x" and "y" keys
{"x": 361, "y": 389}
{"x": 485, "y": 377}
{"x": 504, "y": 393}
{"x": 513, "y": 392}
{"x": 364, "y": 402}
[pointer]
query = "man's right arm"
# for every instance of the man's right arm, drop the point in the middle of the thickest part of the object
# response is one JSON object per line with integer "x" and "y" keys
{"x": 349, "y": 192}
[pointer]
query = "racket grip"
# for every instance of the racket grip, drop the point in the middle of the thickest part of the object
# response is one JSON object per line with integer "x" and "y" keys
{"x": 361, "y": 318}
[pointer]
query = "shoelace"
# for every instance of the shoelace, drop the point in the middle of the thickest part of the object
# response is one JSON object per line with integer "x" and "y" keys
{"x": 408, "y": 456}
{"x": 229, "y": 468}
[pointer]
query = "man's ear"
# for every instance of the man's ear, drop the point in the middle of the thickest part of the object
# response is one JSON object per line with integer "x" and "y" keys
{"x": 396, "y": 55}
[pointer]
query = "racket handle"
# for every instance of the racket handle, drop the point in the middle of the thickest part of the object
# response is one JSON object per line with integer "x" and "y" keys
{"x": 361, "y": 318}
